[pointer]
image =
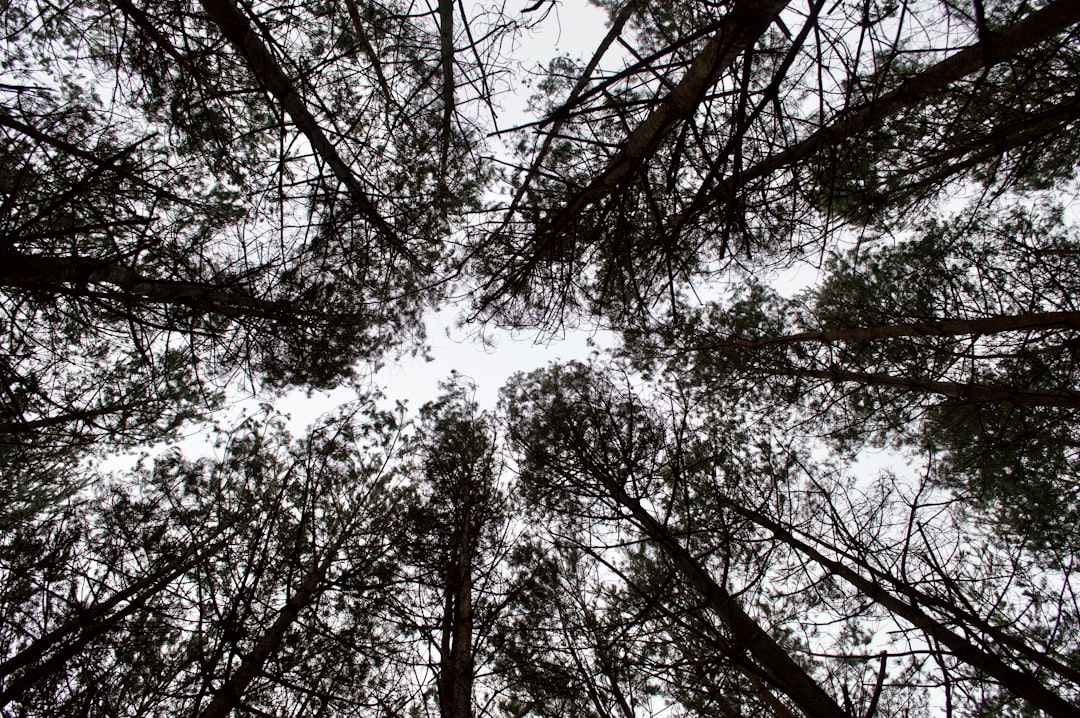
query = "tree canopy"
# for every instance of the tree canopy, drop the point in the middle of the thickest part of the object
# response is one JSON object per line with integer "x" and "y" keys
{"x": 858, "y": 497}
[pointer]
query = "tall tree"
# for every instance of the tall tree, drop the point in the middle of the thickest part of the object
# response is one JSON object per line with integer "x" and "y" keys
{"x": 959, "y": 341}
{"x": 704, "y": 495}
{"x": 455, "y": 531}
{"x": 573, "y": 640}
{"x": 758, "y": 128}
{"x": 204, "y": 195}
{"x": 581, "y": 441}
{"x": 200, "y": 587}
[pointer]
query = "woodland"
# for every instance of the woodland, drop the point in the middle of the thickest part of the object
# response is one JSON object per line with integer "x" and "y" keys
{"x": 855, "y": 499}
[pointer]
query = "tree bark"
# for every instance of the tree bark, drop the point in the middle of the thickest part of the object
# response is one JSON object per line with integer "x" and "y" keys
{"x": 781, "y": 670}
{"x": 71, "y": 274}
{"x": 747, "y": 21}
{"x": 446, "y": 49}
{"x": 1059, "y": 398}
{"x": 86, "y": 416}
{"x": 455, "y": 655}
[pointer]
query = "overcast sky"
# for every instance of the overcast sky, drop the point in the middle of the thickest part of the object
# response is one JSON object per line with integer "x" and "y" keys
{"x": 574, "y": 28}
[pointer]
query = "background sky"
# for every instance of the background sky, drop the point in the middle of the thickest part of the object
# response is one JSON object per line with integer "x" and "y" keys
{"x": 486, "y": 355}
{"x": 573, "y": 28}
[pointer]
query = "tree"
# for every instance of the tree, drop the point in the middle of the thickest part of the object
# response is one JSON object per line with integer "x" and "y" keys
{"x": 201, "y": 586}
{"x": 572, "y": 642}
{"x": 763, "y": 129}
{"x": 959, "y": 342}
{"x": 203, "y": 198}
{"x": 207, "y": 221}
{"x": 455, "y": 529}
{"x": 701, "y": 499}
{"x": 580, "y": 440}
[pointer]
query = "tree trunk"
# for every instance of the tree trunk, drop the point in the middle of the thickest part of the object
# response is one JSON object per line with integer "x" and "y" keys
{"x": 996, "y": 324}
{"x": 228, "y": 696}
{"x": 1022, "y": 685}
{"x": 747, "y": 635}
{"x": 236, "y": 28}
{"x": 997, "y": 47}
{"x": 1061, "y": 398}
{"x": 742, "y": 27}
{"x": 72, "y": 274}
{"x": 455, "y": 655}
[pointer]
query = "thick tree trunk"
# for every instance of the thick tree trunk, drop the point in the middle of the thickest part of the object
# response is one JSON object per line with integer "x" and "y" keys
{"x": 87, "y": 416}
{"x": 456, "y": 655}
{"x": 72, "y": 275}
{"x": 783, "y": 672}
{"x": 742, "y": 27}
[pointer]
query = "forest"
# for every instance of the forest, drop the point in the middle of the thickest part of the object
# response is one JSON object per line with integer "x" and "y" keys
{"x": 859, "y": 497}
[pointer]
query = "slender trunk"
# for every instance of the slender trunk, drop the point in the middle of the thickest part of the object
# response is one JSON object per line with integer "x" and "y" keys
{"x": 747, "y": 637}
{"x": 1022, "y": 685}
{"x": 996, "y": 324}
{"x": 236, "y": 28}
{"x": 93, "y": 623}
{"x": 743, "y": 26}
{"x": 1060, "y": 398}
{"x": 604, "y": 658}
{"x": 228, "y": 696}
{"x": 72, "y": 274}
{"x": 369, "y": 50}
{"x": 1037, "y": 27}
{"x": 86, "y": 416}
{"x": 778, "y": 666}
{"x": 446, "y": 48}
{"x": 997, "y": 141}
{"x": 959, "y": 614}
{"x": 559, "y": 117}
